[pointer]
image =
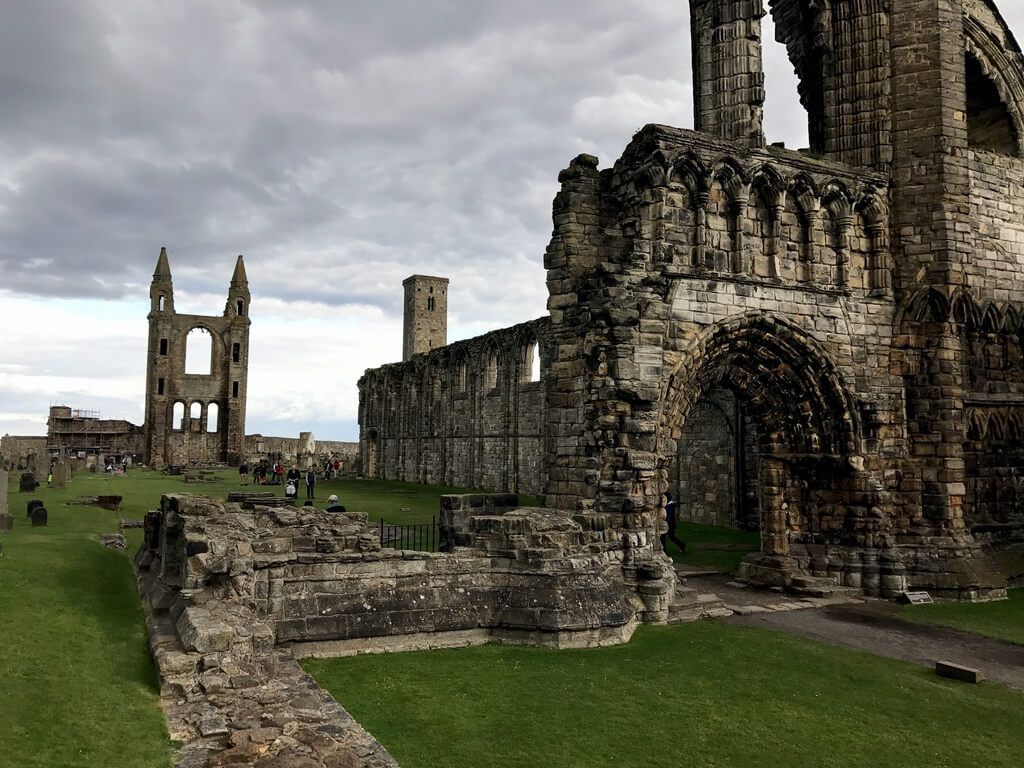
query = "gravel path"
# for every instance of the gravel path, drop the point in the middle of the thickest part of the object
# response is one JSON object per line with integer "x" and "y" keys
{"x": 875, "y": 627}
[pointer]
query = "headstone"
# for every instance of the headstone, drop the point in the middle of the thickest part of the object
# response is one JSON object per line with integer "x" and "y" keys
{"x": 39, "y": 517}
{"x": 6, "y": 521}
{"x": 60, "y": 475}
{"x": 28, "y": 483}
{"x": 34, "y": 504}
{"x": 958, "y": 672}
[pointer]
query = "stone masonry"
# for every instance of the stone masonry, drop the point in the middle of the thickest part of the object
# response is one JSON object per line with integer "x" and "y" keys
{"x": 860, "y": 301}
{"x": 196, "y": 418}
{"x": 234, "y": 596}
{"x": 470, "y": 414}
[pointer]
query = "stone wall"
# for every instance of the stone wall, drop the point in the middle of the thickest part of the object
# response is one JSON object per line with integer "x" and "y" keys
{"x": 233, "y": 596}
{"x": 467, "y": 415}
{"x": 290, "y": 449}
{"x": 19, "y": 451}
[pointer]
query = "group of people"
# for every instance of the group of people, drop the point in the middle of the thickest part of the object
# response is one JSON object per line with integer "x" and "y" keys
{"x": 262, "y": 470}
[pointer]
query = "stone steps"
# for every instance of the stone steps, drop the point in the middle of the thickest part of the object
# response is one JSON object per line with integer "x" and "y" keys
{"x": 818, "y": 586}
{"x": 690, "y": 605}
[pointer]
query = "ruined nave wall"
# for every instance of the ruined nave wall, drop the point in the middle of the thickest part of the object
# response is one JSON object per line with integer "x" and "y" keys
{"x": 469, "y": 415}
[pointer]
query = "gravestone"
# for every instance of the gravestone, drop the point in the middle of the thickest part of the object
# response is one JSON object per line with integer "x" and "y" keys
{"x": 61, "y": 475}
{"x": 39, "y": 517}
{"x": 34, "y": 504}
{"x": 958, "y": 672}
{"x": 6, "y": 521}
{"x": 28, "y": 483}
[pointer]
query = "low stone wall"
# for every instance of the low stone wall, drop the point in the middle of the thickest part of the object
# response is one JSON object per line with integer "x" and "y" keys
{"x": 233, "y": 596}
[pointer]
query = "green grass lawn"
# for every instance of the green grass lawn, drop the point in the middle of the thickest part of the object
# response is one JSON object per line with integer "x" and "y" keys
{"x": 699, "y": 695}
{"x": 1003, "y": 620}
{"x": 709, "y": 546}
{"x": 78, "y": 687}
{"x": 77, "y": 684}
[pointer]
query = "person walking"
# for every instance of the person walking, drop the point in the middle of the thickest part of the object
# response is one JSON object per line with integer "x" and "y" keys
{"x": 310, "y": 482}
{"x": 243, "y": 473}
{"x": 670, "y": 519}
{"x": 293, "y": 475}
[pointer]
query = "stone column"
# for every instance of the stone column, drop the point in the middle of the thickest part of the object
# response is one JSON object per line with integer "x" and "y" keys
{"x": 6, "y": 521}
{"x": 728, "y": 79}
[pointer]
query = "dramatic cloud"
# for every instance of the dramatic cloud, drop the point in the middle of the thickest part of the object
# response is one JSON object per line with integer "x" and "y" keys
{"x": 339, "y": 146}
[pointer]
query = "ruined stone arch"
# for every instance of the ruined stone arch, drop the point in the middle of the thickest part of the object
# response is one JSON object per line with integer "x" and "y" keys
{"x": 873, "y": 210}
{"x": 730, "y": 187}
{"x": 767, "y": 197}
{"x": 995, "y": 85}
{"x": 808, "y": 431}
{"x": 776, "y": 366}
{"x": 177, "y": 415}
{"x": 530, "y": 354}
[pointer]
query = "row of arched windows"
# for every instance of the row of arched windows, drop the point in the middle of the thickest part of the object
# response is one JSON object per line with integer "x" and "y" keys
{"x": 195, "y": 415}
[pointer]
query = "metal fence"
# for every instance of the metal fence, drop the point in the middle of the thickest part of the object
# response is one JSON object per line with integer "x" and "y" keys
{"x": 422, "y": 537}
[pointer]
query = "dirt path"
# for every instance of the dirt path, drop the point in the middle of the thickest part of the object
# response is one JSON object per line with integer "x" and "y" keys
{"x": 875, "y": 627}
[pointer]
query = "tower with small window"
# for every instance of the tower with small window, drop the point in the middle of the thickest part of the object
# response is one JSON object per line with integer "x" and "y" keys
{"x": 196, "y": 376}
{"x": 426, "y": 314}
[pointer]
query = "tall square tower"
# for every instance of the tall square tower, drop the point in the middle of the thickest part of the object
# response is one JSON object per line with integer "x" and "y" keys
{"x": 425, "y": 325}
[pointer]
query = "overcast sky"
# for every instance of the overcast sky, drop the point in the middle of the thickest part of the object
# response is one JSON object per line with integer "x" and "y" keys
{"x": 339, "y": 146}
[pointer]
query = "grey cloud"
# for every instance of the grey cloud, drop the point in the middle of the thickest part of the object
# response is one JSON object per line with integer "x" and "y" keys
{"x": 340, "y": 146}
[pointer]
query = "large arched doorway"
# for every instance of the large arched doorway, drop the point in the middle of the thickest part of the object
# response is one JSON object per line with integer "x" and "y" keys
{"x": 758, "y": 423}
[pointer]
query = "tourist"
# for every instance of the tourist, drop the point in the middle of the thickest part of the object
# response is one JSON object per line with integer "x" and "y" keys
{"x": 255, "y": 474}
{"x": 333, "y": 505}
{"x": 293, "y": 475}
{"x": 337, "y": 467}
{"x": 310, "y": 482}
{"x": 279, "y": 473}
{"x": 670, "y": 519}
{"x": 243, "y": 473}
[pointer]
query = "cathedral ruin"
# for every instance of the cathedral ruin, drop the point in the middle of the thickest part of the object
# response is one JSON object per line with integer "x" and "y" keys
{"x": 195, "y": 407}
{"x": 825, "y": 345}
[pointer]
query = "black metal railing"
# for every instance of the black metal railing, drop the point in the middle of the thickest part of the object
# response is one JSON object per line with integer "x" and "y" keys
{"x": 422, "y": 537}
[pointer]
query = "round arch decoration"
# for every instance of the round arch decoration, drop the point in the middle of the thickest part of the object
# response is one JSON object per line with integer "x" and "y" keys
{"x": 783, "y": 373}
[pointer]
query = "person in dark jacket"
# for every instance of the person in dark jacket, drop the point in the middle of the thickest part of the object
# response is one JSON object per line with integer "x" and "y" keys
{"x": 293, "y": 476}
{"x": 310, "y": 482}
{"x": 670, "y": 518}
{"x": 333, "y": 505}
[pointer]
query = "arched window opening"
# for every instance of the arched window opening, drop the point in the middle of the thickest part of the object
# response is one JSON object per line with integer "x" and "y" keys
{"x": 989, "y": 123}
{"x": 163, "y": 346}
{"x": 199, "y": 352}
{"x": 491, "y": 373}
{"x": 195, "y": 411}
{"x": 236, "y": 352}
{"x": 177, "y": 416}
{"x": 212, "y": 417}
{"x": 160, "y": 303}
{"x": 240, "y": 308}
{"x": 430, "y": 304}
{"x": 531, "y": 362}
{"x": 784, "y": 119}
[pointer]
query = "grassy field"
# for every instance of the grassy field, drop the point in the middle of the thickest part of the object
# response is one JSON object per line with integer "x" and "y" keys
{"x": 701, "y": 695}
{"x": 77, "y": 684}
{"x": 78, "y": 688}
{"x": 1003, "y": 620}
{"x": 712, "y": 547}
